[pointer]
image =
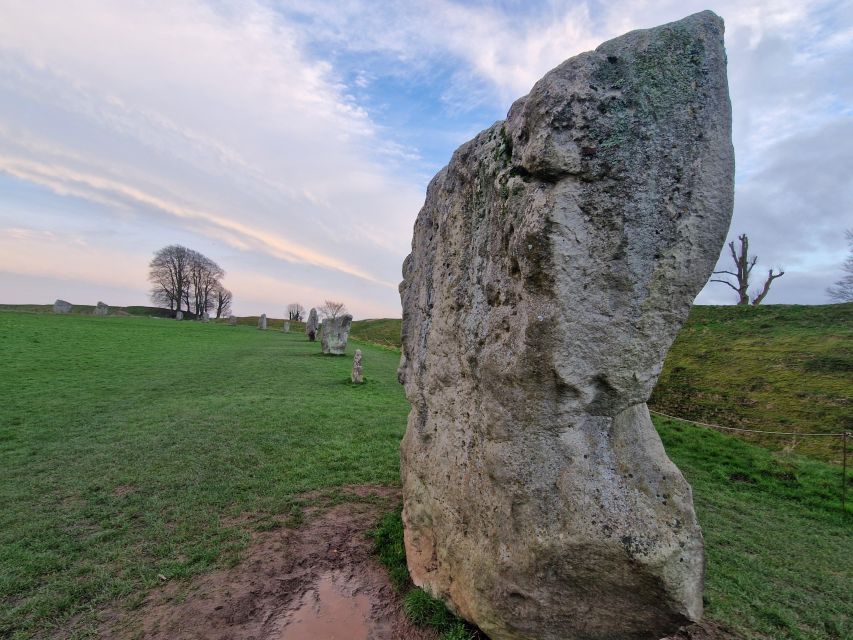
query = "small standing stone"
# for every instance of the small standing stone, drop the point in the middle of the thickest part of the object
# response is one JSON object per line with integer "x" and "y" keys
{"x": 102, "y": 309}
{"x": 356, "y": 377}
{"x": 286, "y": 327}
{"x": 262, "y": 322}
{"x": 205, "y": 317}
{"x": 179, "y": 315}
{"x": 335, "y": 334}
{"x": 311, "y": 325}
{"x": 232, "y": 320}
{"x": 61, "y": 306}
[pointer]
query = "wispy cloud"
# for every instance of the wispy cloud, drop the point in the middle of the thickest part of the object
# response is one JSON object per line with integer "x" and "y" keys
{"x": 292, "y": 140}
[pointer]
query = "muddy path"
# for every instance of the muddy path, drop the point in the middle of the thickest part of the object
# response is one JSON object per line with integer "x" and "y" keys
{"x": 319, "y": 581}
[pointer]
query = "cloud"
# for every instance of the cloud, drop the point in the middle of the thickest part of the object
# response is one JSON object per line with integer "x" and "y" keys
{"x": 293, "y": 141}
{"x": 207, "y": 119}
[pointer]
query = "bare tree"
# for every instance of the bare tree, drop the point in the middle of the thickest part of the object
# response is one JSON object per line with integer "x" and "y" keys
{"x": 842, "y": 291}
{"x": 183, "y": 277}
{"x": 204, "y": 276}
{"x": 169, "y": 274}
{"x": 744, "y": 263}
{"x": 222, "y": 298}
{"x": 295, "y": 311}
{"x": 331, "y": 309}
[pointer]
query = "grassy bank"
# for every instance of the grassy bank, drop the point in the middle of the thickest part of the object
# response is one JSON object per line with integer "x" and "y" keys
{"x": 774, "y": 367}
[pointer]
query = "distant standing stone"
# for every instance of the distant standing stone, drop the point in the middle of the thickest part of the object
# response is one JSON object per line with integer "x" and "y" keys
{"x": 335, "y": 334}
{"x": 311, "y": 325}
{"x": 102, "y": 309}
{"x": 356, "y": 368}
{"x": 205, "y": 317}
{"x": 262, "y": 322}
{"x": 179, "y": 315}
{"x": 61, "y": 306}
{"x": 232, "y": 320}
{"x": 286, "y": 327}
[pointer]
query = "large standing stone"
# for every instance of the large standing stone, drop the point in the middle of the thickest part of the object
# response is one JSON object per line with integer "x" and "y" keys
{"x": 356, "y": 376}
{"x": 179, "y": 315}
{"x": 205, "y": 317}
{"x": 102, "y": 309}
{"x": 333, "y": 338}
{"x": 262, "y": 322}
{"x": 286, "y": 327}
{"x": 553, "y": 263}
{"x": 311, "y": 325}
{"x": 61, "y": 306}
{"x": 232, "y": 320}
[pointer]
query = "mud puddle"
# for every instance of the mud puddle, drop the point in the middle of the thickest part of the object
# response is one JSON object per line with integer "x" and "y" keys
{"x": 332, "y": 609}
{"x": 320, "y": 581}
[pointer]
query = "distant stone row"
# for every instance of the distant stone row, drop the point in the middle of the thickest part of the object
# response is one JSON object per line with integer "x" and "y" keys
{"x": 62, "y": 306}
{"x": 333, "y": 332}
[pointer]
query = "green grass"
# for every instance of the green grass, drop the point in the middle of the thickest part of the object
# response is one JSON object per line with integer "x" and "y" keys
{"x": 773, "y": 367}
{"x": 130, "y": 448}
{"x": 778, "y": 547}
{"x": 134, "y": 447}
{"x": 384, "y": 332}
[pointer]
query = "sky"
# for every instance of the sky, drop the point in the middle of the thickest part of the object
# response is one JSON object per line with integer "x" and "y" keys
{"x": 292, "y": 141}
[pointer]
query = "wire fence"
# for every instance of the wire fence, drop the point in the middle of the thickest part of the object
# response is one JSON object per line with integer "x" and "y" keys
{"x": 844, "y": 435}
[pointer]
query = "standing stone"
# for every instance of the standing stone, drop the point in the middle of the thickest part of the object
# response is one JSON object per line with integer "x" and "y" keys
{"x": 333, "y": 338}
{"x": 262, "y": 322}
{"x": 61, "y": 306}
{"x": 205, "y": 317}
{"x": 311, "y": 325}
{"x": 102, "y": 309}
{"x": 552, "y": 265}
{"x": 286, "y": 327}
{"x": 232, "y": 320}
{"x": 179, "y": 315}
{"x": 356, "y": 376}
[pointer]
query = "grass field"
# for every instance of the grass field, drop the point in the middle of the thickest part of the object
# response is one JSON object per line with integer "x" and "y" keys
{"x": 133, "y": 447}
{"x": 130, "y": 446}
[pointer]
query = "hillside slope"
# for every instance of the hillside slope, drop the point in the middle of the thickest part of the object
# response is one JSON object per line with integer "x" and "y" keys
{"x": 773, "y": 367}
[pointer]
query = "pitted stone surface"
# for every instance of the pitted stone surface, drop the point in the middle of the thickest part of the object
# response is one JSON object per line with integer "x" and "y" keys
{"x": 552, "y": 265}
{"x": 334, "y": 334}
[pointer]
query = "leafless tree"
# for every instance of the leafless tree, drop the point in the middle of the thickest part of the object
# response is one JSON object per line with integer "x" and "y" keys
{"x": 295, "y": 311}
{"x": 744, "y": 263}
{"x": 842, "y": 290}
{"x": 222, "y": 301}
{"x": 331, "y": 309}
{"x": 204, "y": 276}
{"x": 183, "y": 277}
{"x": 169, "y": 273}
